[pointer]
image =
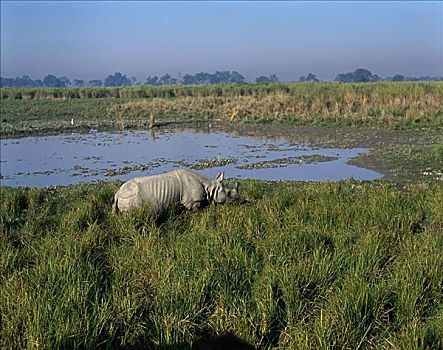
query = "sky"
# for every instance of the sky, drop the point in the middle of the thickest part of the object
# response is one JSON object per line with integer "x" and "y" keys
{"x": 92, "y": 39}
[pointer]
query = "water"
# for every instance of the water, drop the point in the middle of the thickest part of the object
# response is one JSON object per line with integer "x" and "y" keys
{"x": 73, "y": 158}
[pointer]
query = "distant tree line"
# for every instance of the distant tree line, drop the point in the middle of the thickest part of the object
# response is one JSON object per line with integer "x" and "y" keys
{"x": 360, "y": 75}
{"x": 119, "y": 79}
{"x": 25, "y": 81}
{"x": 264, "y": 79}
{"x": 201, "y": 78}
{"x": 399, "y": 77}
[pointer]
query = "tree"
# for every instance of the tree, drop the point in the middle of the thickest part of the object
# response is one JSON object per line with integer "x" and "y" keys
{"x": 375, "y": 78}
{"x": 219, "y": 77}
{"x": 117, "y": 79}
{"x": 165, "y": 79}
{"x": 274, "y": 78}
{"x": 64, "y": 81}
{"x": 134, "y": 81}
{"x": 262, "y": 80}
{"x": 398, "y": 77}
{"x": 51, "y": 81}
{"x": 311, "y": 77}
{"x": 24, "y": 81}
{"x": 79, "y": 83}
{"x": 179, "y": 78}
{"x": 6, "y": 82}
{"x": 236, "y": 77}
{"x": 345, "y": 78}
{"x": 188, "y": 79}
{"x": 202, "y": 78}
{"x": 362, "y": 75}
{"x": 152, "y": 80}
{"x": 95, "y": 83}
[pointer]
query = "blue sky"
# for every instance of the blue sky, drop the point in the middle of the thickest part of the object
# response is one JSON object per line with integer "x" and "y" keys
{"x": 89, "y": 40}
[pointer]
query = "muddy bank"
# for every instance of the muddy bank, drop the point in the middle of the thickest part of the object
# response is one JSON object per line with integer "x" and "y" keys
{"x": 323, "y": 137}
{"x": 400, "y": 155}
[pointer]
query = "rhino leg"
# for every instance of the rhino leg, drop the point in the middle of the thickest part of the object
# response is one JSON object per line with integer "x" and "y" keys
{"x": 115, "y": 206}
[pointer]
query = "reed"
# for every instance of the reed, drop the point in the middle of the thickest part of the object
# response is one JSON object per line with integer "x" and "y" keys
{"x": 386, "y": 105}
{"x": 344, "y": 108}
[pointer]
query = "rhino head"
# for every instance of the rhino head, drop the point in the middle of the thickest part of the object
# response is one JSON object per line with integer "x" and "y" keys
{"x": 218, "y": 192}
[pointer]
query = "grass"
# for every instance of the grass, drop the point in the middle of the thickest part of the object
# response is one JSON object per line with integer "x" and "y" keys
{"x": 37, "y": 116}
{"x": 303, "y": 265}
{"x": 418, "y": 161}
{"x": 412, "y": 105}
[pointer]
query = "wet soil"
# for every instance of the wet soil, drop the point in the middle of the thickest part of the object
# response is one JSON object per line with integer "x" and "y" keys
{"x": 400, "y": 155}
{"x": 282, "y": 162}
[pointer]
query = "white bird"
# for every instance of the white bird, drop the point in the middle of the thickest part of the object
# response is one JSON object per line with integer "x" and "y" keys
{"x": 72, "y": 121}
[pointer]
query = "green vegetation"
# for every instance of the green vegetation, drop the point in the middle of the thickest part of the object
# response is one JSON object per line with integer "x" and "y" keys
{"x": 302, "y": 265}
{"x": 418, "y": 161}
{"x": 388, "y": 105}
{"x": 46, "y": 116}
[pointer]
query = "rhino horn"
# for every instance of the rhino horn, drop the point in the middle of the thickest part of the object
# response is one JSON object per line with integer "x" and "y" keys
{"x": 219, "y": 177}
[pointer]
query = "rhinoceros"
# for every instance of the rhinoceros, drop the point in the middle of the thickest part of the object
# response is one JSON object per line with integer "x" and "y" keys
{"x": 191, "y": 190}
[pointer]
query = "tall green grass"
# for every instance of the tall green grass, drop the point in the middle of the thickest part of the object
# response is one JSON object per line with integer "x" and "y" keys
{"x": 302, "y": 265}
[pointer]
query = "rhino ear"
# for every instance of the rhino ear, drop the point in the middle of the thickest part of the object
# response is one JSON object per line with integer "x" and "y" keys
{"x": 219, "y": 177}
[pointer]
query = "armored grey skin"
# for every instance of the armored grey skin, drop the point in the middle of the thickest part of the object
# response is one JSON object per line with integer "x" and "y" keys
{"x": 183, "y": 187}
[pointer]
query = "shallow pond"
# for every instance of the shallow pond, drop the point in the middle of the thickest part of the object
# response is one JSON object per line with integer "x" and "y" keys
{"x": 73, "y": 158}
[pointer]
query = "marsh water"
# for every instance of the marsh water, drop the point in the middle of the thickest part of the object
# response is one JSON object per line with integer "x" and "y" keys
{"x": 73, "y": 158}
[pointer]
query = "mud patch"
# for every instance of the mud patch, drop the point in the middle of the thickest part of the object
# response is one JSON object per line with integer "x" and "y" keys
{"x": 207, "y": 163}
{"x": 282, "y": 162}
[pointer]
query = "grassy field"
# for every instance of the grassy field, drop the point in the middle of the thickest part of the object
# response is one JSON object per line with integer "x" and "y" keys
{"x": 27, "y": 117}
{"x": 409, "y": 105}
{"x": 344, "y": 265}
{"x": 301, "y": 266}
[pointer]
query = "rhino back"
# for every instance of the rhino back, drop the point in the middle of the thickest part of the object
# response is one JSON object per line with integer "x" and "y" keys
{"x": 160, "y": 191}
{"x": 192, "y": 178}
